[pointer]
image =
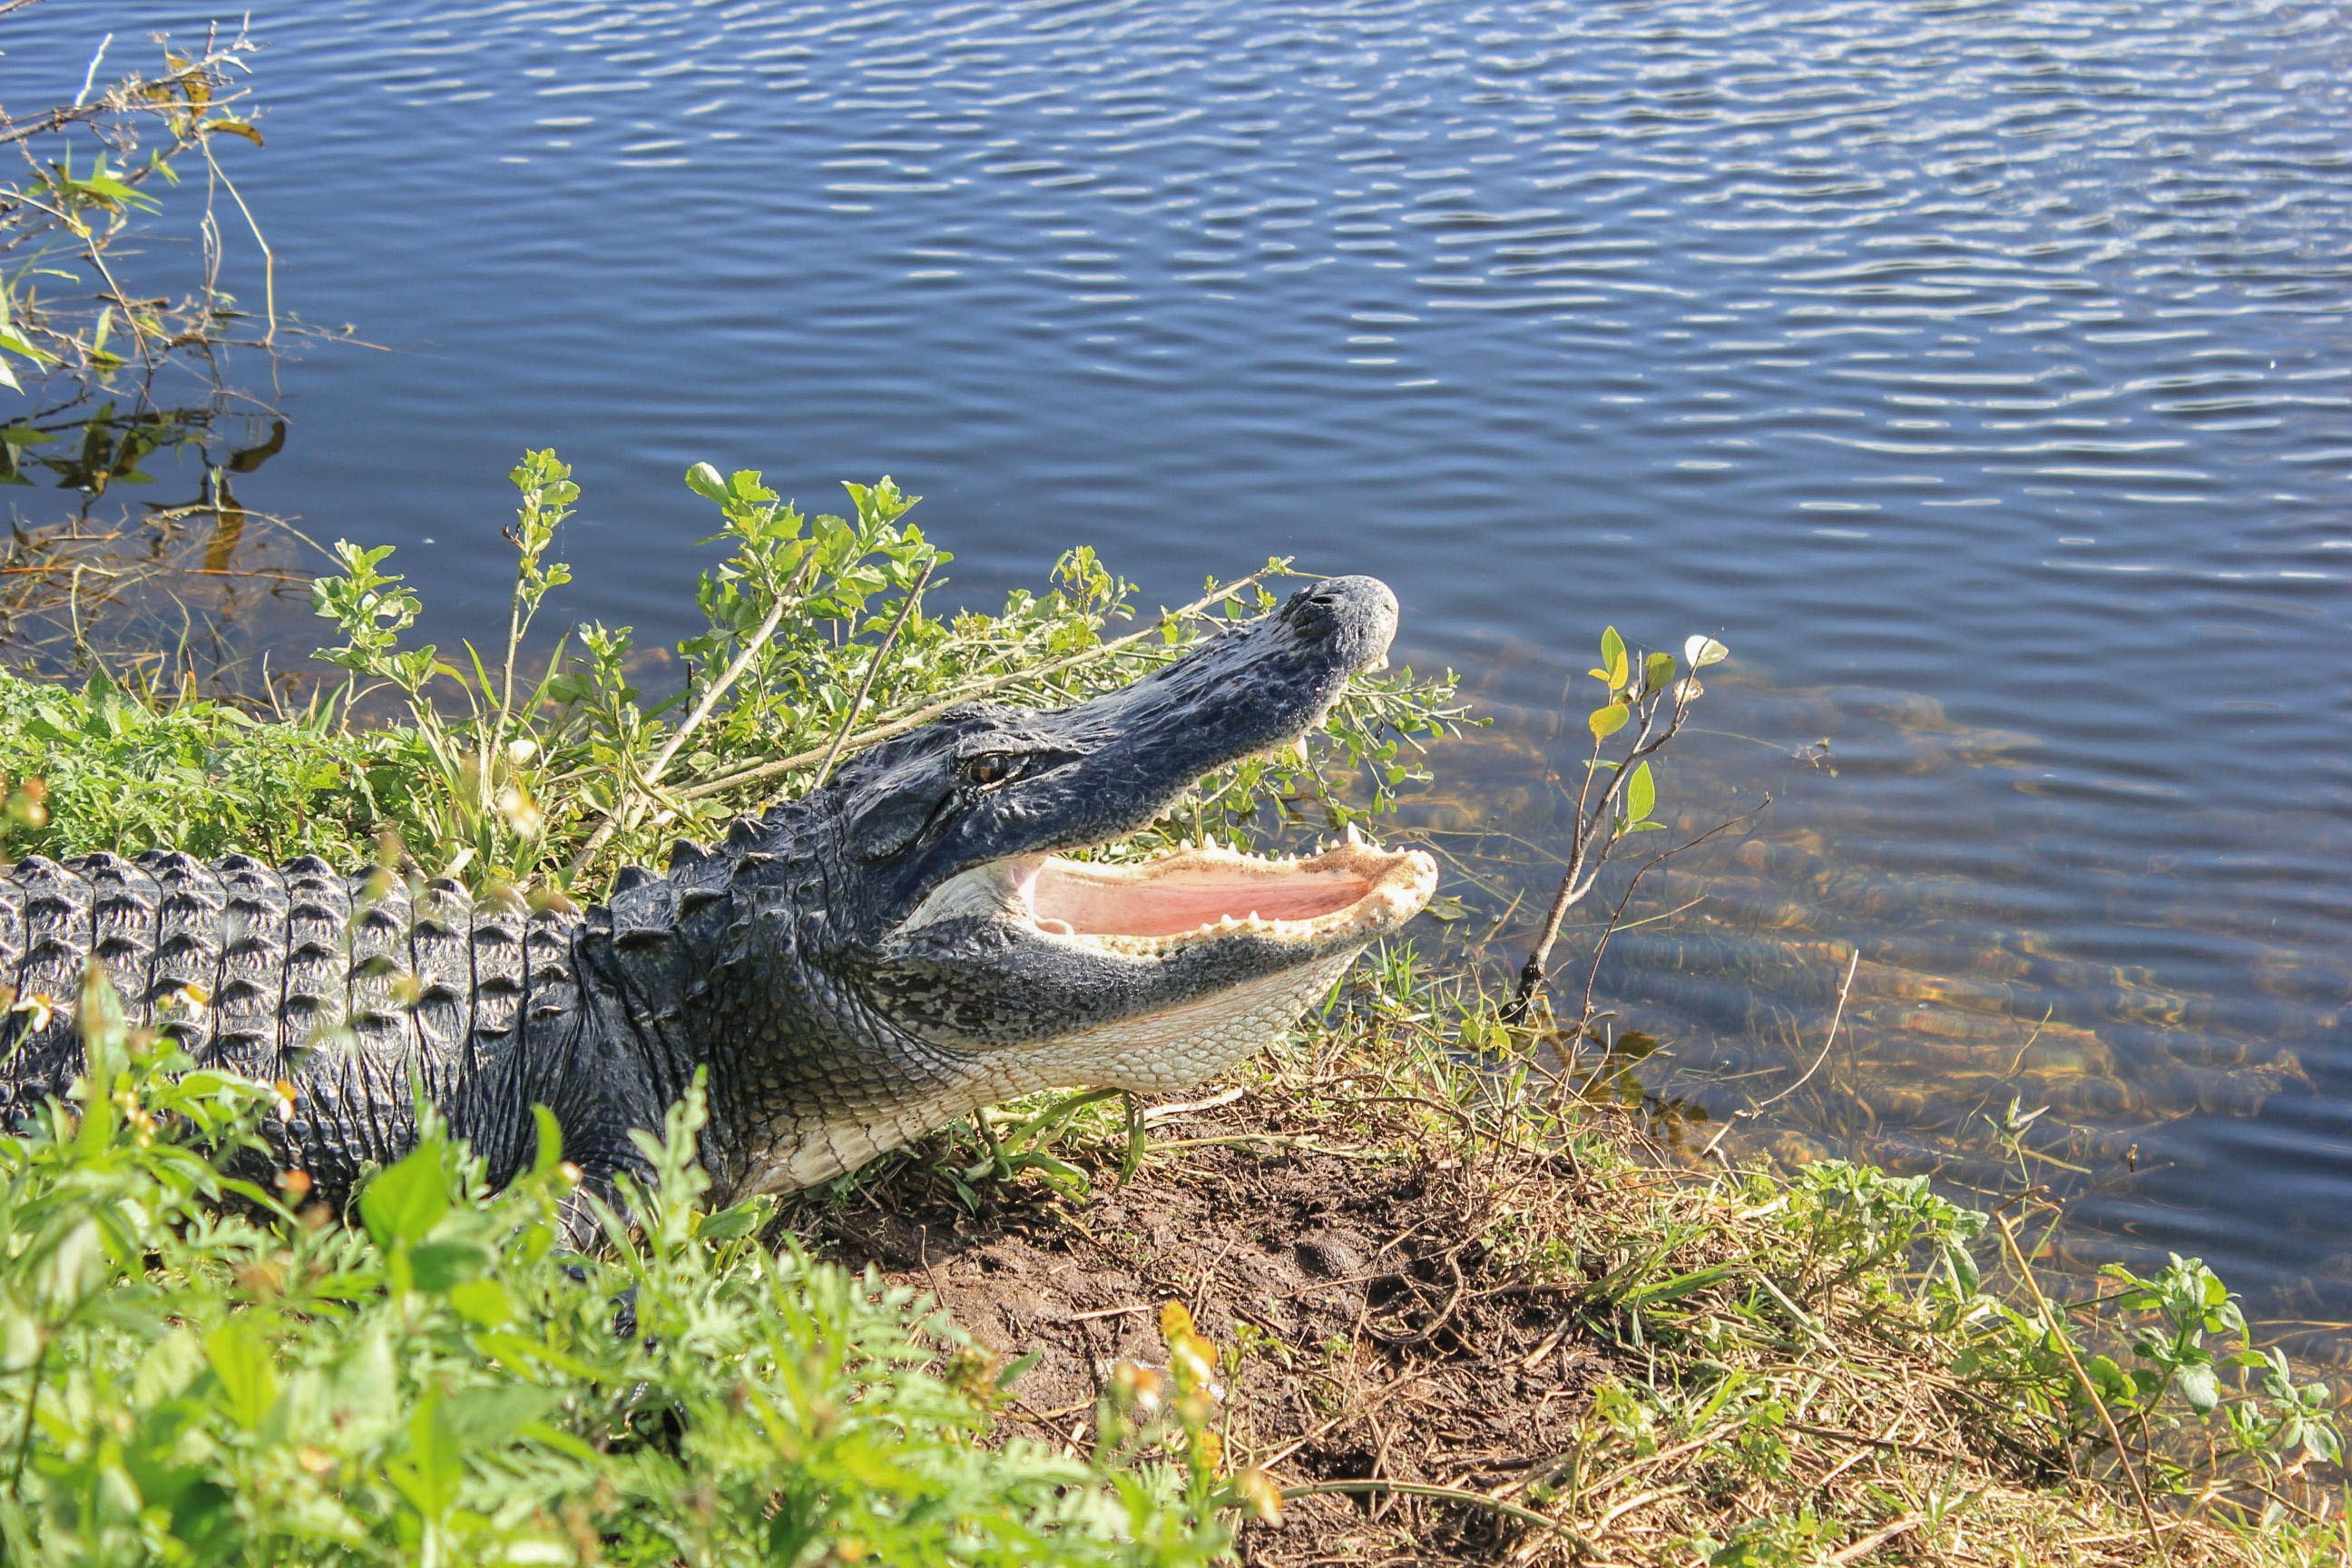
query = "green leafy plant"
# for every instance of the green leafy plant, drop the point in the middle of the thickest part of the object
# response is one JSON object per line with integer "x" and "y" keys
{"x": 440, "y": 1383}
{"x": 61, "y": 308}
{"x": 816, "y": 644}
{"x": 1649, "y": 699}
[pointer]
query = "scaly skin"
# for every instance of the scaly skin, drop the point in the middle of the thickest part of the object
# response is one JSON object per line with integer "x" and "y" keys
{"x": 851, "y": 970}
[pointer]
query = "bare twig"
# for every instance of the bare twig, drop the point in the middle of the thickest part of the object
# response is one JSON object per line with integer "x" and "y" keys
{"x": 2066, "y": 1346}
{"x": 1617, "y": 914}
{"x": 268, "y": 256}
{"x": 872, "y": 667}
{"x": 1593, "y": 831}
{"x": 1854, "y": 962}
{"x": 900, "y": 724}
{"x": 651, "y": 775}
{"x": 89, "y": 77}
{"x": 1877, "y": 1539}
{"x": 1376, "y": 1485}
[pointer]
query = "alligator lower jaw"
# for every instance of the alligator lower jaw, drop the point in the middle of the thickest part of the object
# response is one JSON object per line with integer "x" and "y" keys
{"x": 1187, "y": 897}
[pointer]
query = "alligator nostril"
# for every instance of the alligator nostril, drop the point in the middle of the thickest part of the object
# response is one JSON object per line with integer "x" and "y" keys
{"x": 1310, "y": 612}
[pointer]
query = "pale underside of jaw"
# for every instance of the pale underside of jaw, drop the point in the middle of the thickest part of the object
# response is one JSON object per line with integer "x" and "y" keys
{"x": 1207, "y": 893}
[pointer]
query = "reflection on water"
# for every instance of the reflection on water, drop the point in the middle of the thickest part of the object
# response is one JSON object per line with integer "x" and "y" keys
{"x": 1981, "y": 374}
{"x": 129, "y": 551}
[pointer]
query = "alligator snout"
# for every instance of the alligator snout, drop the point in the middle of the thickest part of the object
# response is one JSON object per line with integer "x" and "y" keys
{"x": 1358, "y": 613}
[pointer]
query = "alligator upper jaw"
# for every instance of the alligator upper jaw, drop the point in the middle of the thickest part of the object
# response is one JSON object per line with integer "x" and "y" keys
{"x": 1194, "y": 896}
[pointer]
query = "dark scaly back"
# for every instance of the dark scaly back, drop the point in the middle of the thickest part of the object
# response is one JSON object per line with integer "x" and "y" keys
{"x": 372, "y": 1071}
{"x": 38, "y": 1036}
{"x": 124, "y": 902}
{"x": 252, "y": 986}
{"x": 441, "y": 970}
{"x": 314, "y": 993}
{"x": 494, "y": 1112}
{"x": 190, "y": 935}
{"x": 358, "y": 990}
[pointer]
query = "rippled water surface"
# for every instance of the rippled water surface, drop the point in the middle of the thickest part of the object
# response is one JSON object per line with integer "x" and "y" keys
{"x": 1981, "y": 371}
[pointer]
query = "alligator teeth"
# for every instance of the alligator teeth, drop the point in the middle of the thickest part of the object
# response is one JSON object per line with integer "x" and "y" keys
{"x": 1377, "y": 665}
{"x": 1353, "y": 835}
{"x": 1057, "y": 927}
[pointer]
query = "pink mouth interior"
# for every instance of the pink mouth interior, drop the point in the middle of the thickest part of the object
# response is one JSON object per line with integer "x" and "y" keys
{"x": 1185, "y": 901}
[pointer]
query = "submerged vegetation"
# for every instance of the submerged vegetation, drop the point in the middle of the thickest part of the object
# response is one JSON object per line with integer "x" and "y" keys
{"x": 1402, "y": 1293}
{"x": 124, "y": 241}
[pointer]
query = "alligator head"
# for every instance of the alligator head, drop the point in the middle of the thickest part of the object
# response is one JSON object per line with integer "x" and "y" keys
{"x": 951, "y": 952}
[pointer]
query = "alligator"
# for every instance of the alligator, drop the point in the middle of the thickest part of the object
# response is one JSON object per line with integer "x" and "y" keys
{"x": 913, "y": 940}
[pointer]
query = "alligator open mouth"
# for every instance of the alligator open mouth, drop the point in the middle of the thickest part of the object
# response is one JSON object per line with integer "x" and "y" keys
{"x": 1202, "y": 893}
{"x": 1196, "y": 894}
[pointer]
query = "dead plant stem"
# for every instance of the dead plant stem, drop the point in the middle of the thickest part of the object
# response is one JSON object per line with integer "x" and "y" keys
{"x": 2057, "y": 1330}
{"x": 873, "y": 668}
{"x": 900, "y": 724}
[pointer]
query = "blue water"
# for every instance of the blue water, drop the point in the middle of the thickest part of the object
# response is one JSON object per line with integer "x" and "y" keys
{"x": 1981, "y": 372}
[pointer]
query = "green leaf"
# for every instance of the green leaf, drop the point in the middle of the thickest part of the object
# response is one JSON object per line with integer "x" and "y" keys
{"x": 484, "y": 1303}
{"x": 2199, "y": 1385}
{"x": 1658, "y": 671}
{"x": 729, "y": 1223}
{"x": 1615, "y": 669}
{"x": 704, "y": 480}
{"x": 71, "y": 1269}
{"x": 429, "y": 1473}
{"x": 20, "y": 1338}
{"x": 408, "y": 1199}
{"x": 241, "y": 1363}
{"x": 1640, "y": 795}
{"x": 1605, "y": 722}
{"x": 15, "y": 345}
{"x": 549, "y": 1154}
{"x": 438, "y": 1266}
{"x": 1702, "y": 651}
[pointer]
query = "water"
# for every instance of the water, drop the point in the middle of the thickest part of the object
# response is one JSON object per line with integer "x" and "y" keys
{"x": 1981, "y": 372}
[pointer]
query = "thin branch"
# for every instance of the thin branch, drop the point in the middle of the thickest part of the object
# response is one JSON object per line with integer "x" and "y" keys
{"x": 1424, "y": 1489}
{"x": 89, "y": 77}
{"x": 900, "y": 724}
{"x": 94, "y": 248}
{"x": 1853, "y": 962}
{"x": 1591, "y": 823}
{"x": 872, "y": 667}
{"x": 123, "y": 95}
{"x": 2066, "y": 1346}
{"x": 268, "y": 256}
{"x": 1617, "y": 915}
{"x": 651, "y": 775}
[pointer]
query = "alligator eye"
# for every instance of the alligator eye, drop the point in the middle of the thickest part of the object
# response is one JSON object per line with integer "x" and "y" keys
{"x": 990, "y": 769}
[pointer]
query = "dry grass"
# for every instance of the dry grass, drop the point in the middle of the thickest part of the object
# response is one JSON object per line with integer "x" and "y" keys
{"x": 1459, "y": 1327}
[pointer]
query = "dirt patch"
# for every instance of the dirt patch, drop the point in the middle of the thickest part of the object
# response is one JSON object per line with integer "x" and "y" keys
{"x": 1381, "y": 1335}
